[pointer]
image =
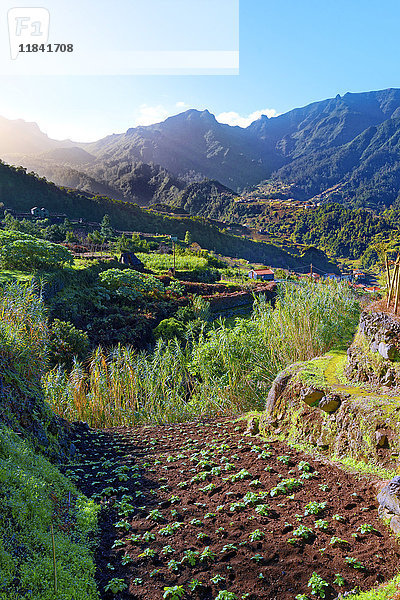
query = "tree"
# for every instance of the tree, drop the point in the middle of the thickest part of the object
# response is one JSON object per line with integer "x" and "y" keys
{"x": 188, "y": 238}
{"x": 105, "y": 228}
{"x": 122, "y": 244}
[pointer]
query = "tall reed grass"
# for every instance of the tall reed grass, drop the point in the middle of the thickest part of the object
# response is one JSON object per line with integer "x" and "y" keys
{"x": 225, "y": 371}
{"x": 23, "y": 333}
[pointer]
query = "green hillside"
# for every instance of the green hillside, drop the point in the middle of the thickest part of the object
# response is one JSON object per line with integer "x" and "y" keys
{"x": 20, "y": 191}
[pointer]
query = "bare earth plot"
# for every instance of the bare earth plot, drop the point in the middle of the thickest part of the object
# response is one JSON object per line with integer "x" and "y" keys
{"x": 207, "y": 507}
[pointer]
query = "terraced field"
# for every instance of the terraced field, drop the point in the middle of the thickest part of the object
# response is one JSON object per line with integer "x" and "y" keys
{"x": 206, "y": 511}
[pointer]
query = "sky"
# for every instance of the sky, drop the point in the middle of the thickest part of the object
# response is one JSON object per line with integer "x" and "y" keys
{"x": 291, "y": 53}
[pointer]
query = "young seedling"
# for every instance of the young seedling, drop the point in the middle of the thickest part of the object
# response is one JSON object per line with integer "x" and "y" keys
{"x": 256, "y": 535}
{"x": 353, "y": 563}
{"x": 148, "y": 553}
{"x": 339, "y": 580}
{"x": 190, "y": 557}
{"x": 194, "y": 585}
{"x": 115, "y": 585}
{"x": 314, "y": 508}
{"x": 317, "y": 585}
{"x": 173, "y": 593}
{"x": 321, "y": 524}
{"x": 366, "y": 528}
{"x": 337, "y": 542}
{"x": 217, "y": 579}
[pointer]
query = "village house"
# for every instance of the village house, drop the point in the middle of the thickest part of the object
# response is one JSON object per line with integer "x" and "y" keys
{"x": 263, "y": 274}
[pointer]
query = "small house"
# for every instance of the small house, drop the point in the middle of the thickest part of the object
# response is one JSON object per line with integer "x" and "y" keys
{"x": 131, "y": 260}
{"x": 263, "y": 274}
{"x": 35, "y": 212}
{"x": 44, "y": 213}
{"x": 359, "y": 275}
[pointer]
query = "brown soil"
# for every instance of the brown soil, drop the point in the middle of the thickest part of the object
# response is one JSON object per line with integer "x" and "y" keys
{"x": 180, "y": 475}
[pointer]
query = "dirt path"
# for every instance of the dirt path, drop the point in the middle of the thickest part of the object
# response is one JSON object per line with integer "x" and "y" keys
{"x": 205, "y": 508}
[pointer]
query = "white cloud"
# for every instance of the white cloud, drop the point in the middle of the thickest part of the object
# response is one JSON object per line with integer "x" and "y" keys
{"x": 147, "y": 115}
{"x": 234, "y": 118}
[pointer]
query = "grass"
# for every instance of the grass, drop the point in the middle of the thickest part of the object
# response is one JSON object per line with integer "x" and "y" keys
{"x": 36, "y": 499}
{"x": 33, "y": 490}
{"x": 7, "y": 275}
{"x": 226, "y": 371}
{"x": 164, "y": 262}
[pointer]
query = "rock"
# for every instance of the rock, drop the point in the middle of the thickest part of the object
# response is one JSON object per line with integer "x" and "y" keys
{"x": 276, "y": 390}
{"x": 387, "y": 350}
{"x": 253, "y": 426}
{"x": 395, "y": 524}
{"x": 330, "y": 403}
{"x": 312, "y": 396}
{"x": 389, "y": 496}
{"x": 374, "y": 347}
{"x": 322, "y": 444}
{"x": 381, "y": 438}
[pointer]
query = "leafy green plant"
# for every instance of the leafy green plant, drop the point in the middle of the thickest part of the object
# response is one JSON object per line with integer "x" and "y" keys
{"x": 173, "y": 565}
{"x": 353, "y": 563}
{"x": 217, "y": 579}
{"x": 318, "y": 585}
{"x": 366, "y": 528}
{"x": 339, "y": 580}
{"x": 228, "y": 548}
{"x": 190, "y": 557}
{"x": 148, "y": 553}
{"x": 194, "y": 585}
{"x": 155, "y": 515}
{"x": 115, "y": 585}
{"x": 240, "y": 476}
{"x": 207, "y": 555}
{"x": 337, "y": 542}
{"x": 303, "y": 532}
{"x": 263, "y": 510}
{"x": 321, "y": 524}
{"x": 174, "y": 593}
{"x": 285, "y": 486}
{"x": 314, "y": 508}
{"x": 304, "y": 466}
{"x": 256, "y": 535}
{"x": 225, "y": 595}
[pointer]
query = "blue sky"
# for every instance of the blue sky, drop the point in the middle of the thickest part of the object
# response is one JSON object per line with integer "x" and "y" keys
{"x": 291, "y": 53}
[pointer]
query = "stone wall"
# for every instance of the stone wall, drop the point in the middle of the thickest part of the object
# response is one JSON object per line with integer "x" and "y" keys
{"x": 374, "y": 356}
{"x": 339, "y": 424}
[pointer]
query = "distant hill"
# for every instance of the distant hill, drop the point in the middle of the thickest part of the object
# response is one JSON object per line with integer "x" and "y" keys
{"x": 19, "y": 137}
{"x": 193, "y": 145}
{"x": 344, "y": 149}
{"x": 20, "y": 191}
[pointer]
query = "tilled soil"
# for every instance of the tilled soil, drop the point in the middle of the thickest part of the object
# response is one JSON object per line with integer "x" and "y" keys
{"x": 207, "y": 508}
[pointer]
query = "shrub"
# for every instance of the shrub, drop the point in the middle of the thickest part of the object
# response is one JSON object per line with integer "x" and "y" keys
{"x": 169, "y": 329}
{"x": 131, "y": 284}
{"x": 66, "y": 342}
{"x": 22, "y": 251}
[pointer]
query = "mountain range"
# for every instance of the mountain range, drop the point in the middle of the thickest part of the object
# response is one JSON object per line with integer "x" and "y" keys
{"x": 345, "y": 149}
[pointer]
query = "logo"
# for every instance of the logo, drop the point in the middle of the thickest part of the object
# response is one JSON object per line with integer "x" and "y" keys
{"x": 27, "y": 26}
